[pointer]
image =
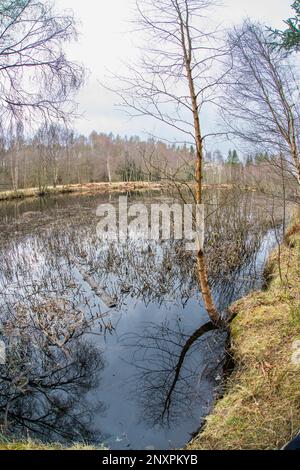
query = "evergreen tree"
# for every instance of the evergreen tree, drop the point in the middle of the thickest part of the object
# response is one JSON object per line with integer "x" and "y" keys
{"x": 289, "y": 39}
{"x": 261, "y": 158}
{"x": 249, "y": 160}
{"x": 233, "y": 158}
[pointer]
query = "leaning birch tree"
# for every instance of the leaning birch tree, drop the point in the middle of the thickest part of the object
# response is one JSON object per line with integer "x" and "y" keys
{"x": 176, "y": 78}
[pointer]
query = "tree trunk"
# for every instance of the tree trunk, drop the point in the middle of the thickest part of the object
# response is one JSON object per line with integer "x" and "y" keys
{"x": 108, "y": 168}
{"x": 201, "y": 265}
{"x": 205, "y": 289}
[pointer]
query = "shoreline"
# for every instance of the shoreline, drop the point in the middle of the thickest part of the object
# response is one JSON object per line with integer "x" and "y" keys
{"x": 95, "y": 188}
{"x": 260, "y": 406}
{"x": 79, "y": 189}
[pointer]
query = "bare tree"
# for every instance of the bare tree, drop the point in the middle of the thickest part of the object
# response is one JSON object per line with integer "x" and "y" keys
{"x": 37, "y": 79}
{"x": 53, "y": 141}
{"x": 96, "y": 158}
{"x": 39, "y": 167}
{"x": 261, "y": 99}
{"x": 177, "y": 77}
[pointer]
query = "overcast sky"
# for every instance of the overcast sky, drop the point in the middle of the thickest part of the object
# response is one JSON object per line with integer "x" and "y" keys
{"x": 105, "y": 41}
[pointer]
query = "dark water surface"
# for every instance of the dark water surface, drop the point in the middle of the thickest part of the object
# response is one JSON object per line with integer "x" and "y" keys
{"x": 139, "y": 374}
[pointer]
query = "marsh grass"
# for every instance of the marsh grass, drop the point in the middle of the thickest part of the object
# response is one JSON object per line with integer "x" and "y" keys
{"x": 29, "y": 444}
{"x": 77, "y": 188}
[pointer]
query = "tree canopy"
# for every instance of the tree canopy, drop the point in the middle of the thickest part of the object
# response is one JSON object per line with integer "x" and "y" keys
{"x": 37, "y": 79}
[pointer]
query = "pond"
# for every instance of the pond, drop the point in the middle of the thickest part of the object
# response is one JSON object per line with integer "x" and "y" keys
{"x": 110, "y": 343}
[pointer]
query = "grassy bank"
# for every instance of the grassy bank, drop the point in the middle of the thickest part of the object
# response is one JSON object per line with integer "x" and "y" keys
{"x": 39, "y": 446}
{"x": 261, "y": 405}
{"x": 6, "y": 444}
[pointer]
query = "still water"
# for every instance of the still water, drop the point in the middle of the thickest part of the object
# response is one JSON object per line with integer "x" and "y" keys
{"x": 111, "y": 344}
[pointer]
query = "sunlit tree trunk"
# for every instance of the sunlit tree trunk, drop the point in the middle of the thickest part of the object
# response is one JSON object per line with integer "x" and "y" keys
{"x": 201, "y": 264}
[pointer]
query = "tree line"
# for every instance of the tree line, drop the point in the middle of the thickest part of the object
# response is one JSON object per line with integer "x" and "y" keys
{"x": 57, "y": 156}
{"x": 247, "y": 74}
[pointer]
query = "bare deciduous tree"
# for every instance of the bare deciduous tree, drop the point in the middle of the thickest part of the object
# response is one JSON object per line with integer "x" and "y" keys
{"x": 178, "y": 76}
{"x": 261, "y": 99}
{"x": 37, "y": 79}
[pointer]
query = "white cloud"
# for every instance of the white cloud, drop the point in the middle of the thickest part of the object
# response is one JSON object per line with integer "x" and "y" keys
{"x": 105, "y": 41}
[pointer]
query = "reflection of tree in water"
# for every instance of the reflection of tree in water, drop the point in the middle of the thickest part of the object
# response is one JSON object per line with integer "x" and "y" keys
{"x": 235, "y": 227}
{"x": 173, "y": 369}
{"x": 47, "y": 374}
{"x": 164, "y": 271}
{"x": 46, "y": 308}
{"x": 156, "y": 272}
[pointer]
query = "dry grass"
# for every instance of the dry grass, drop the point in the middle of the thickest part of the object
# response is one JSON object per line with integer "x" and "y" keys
{"x": 83, "y": 189}
{"x": 6, "y": 444}
{"x": 261, "y": 407}
{"x": 92, "y": 188}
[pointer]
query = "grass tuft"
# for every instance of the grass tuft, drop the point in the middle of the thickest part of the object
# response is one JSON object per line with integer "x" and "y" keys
{"x": 6, "y": 444}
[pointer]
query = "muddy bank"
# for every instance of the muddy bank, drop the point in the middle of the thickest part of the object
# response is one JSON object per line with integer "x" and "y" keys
{"x": 261, "y": 405}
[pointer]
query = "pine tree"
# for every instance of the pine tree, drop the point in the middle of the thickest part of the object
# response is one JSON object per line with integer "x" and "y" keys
{"x": 289, "y": 39}
{"x": 249, "y": 160}
{"x": 233, "y": 158}
{"x": 261, "y": 158}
